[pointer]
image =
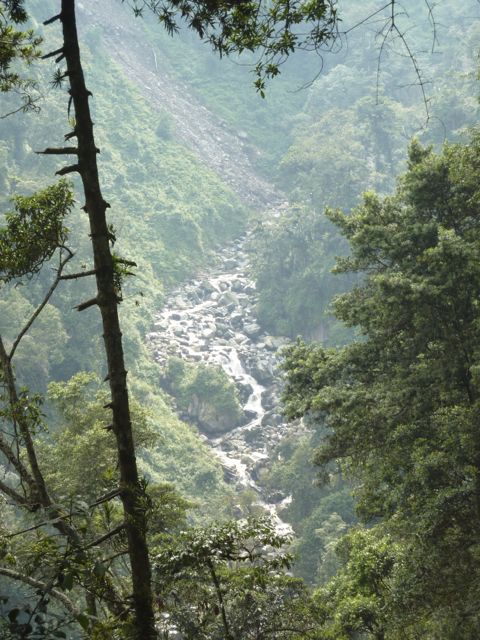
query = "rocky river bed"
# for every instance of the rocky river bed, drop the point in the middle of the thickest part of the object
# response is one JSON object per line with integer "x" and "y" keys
{"x": 211, "y": 319}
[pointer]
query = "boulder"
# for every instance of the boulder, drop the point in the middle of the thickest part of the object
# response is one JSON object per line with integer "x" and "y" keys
{"x": 236, "y": 320}
{"x": 244, "y": 391}
{"x": 249, "y": 415}
{"x": 209, "y": 332}
{"x": 230, "y": 263}
{"x": 273, "y": 343}
{"x": 205, "y": 288}
{"x": 228, "y": 299}
{"x": 252, "y": 329}
{"x": 271, "y": 419}
{"x": 208, "y": 418}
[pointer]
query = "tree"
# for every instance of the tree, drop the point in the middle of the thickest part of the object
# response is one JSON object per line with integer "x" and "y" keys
{"x": 16, "y": 47}
{"x": 401, "y": 404}
{"x": 291, "y": 257}
{"x": 228, "y": 582}
{"x": 33, "y": 234}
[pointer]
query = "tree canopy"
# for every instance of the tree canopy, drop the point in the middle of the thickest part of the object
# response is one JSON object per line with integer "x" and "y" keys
{"x": 401, "y": 403}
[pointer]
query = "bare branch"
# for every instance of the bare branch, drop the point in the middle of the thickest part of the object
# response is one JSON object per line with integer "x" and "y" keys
{"x": 87, "y": 304}
{"x": 38, "y": 310}
{"x": 38, "y": 584}
{"x": 51, "y": 20}
{"x": 17, "y": 497}
{"x": 106, "y": 536}
{"x": 105, "y": 498}
{"x": 18, "y": 465}
{"x": 80, "y": 274}
{"x": 70, "y": 135}
{"x": 22, "y": 421}
{"x": 60, "y": 151}
{"x": 53, "y": 53}
{"x": 69, "y": 169}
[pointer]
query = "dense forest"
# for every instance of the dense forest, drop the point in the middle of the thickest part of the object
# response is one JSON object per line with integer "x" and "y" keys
{"x": 239, "y": 320}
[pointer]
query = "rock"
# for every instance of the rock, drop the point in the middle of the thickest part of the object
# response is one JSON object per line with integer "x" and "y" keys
{"x": 252, "y": 330}
{"x": 228, "y": 475}
{"x": 228, "y": 299}
{"x": 209, "y": 418}
{"x": 262, "y": 373}
{"x": 273, "y": 343}
{"x": 254, "y": 436}
{"x": 238, "y": 286}
{"x": 209, "y": 332}
{"x": 271, "y": 419}
{"x": 276, "y": 496}
{"x": 180, "y": 303}
{"x": 206, "y": 288}
{"x": 236, "y": 320}
{"x": 230, "y": 263}
{"x": 270, "y": 399}
{"x": 244, "y": 391}
{"x": 176, "y": 316}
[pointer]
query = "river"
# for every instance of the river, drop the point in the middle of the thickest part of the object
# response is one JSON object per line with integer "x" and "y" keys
{"x": 211, "y": 319}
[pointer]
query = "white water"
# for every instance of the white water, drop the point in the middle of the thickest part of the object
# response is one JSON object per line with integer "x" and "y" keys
{"x": 212, "y": 320}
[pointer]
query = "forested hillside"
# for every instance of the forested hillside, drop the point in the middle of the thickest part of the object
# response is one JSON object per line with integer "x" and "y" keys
{"x": 328, "y": 202}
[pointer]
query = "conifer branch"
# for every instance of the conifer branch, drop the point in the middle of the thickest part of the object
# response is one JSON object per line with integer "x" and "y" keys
{"x": 80, "y": 274}
{"x": 51, "y": 20}
{"x": 57, "y": 151}
{"x": 69, "y": 169}
{"x": 53, "y": 53}
{"x": 87, "y": 304}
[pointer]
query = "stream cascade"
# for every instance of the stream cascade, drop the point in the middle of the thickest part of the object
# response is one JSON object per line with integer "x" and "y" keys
{"x": 211, "y": 319}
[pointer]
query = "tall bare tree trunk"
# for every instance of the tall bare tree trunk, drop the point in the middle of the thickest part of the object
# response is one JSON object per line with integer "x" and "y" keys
{"x": 132, "y": 494}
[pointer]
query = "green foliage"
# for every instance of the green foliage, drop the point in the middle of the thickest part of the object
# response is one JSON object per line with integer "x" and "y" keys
{"x": 16, "y": 48}
{"x": 42, "y": 347}
{"x": 229, "y": 581}
{"x": 204, "y": 393}
{"x": 349, "y": 137}
{"x": 357, "y": 599}
{"x": 271, "y": 30}
{"x": 402, "y": 405}
{"x": 150, "y": 206}
{"x": 81, "y": 432}
{"x": 291, "y": 258}
{"x": 318, "y": 514}
{"x": 34, "y": 231}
